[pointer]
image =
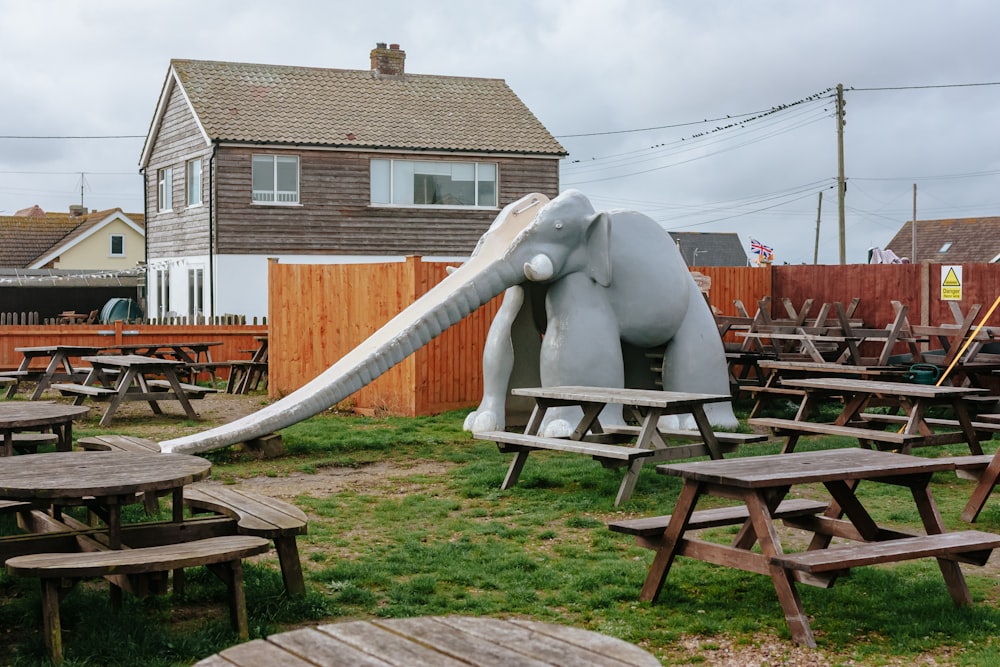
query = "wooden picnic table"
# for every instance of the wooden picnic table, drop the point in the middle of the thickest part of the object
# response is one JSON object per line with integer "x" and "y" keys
{"x": 20, "y": 416}
{"x": 776, "y": 370}
{"x": 197, "y": 356}
{"x": 60, "y": 550}
{"x": 914, "y": 428}
{"x": 601, "y": 441}
{"x": 120, "y": 378}
{"x": 103, "y": 481}
{"x": 761, "y": 483}
{"x": 59, "y": 366}
{"x": 245, "y": 375}
{"x": 435, "y": 641}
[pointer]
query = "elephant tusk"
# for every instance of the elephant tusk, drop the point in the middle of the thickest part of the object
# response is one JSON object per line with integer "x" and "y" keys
{"x": 539, "y": 268}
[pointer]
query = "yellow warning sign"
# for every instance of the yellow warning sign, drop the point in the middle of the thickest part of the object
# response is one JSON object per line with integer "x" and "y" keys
{"x": 951, "y": 283}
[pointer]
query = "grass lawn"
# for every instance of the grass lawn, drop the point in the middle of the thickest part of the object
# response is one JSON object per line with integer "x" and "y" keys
{"x": 406, "y": 519}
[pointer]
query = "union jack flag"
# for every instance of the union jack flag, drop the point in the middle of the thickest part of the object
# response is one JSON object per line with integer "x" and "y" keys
{"x": 762, "y": 251}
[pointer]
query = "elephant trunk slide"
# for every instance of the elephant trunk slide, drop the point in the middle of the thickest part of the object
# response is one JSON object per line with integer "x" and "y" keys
{"x": 487, "y": 274}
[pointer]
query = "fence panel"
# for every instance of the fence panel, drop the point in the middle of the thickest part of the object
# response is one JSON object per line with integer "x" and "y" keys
{"x": 320, "y": 312}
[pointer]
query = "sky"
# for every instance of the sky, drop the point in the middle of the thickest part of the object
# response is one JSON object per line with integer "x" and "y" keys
{"x": 707, "y": 115}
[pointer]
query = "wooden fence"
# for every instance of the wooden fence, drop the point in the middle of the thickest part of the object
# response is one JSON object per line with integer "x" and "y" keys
{"x": 320, "y": 312}
{"x": 236, "y": 339}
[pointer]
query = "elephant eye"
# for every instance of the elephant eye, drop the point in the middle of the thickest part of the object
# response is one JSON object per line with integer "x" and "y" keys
{"x": 559, "y": 225}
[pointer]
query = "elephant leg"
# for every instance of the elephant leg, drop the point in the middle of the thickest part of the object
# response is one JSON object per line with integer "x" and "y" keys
{"x": 498, "y": 363}
{"x": 695, "y": 362}
{"x": 582, "y": 346}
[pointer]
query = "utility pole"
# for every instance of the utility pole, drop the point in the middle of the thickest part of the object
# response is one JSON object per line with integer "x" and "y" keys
{"x": 913, "y": 228}
{"x": 819, "y": 211}
{"x": 841, "y": 181}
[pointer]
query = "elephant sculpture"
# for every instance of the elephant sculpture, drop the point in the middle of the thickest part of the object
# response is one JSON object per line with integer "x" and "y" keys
{"x": 615, "y": 276}
{"x": 601, "y": 292}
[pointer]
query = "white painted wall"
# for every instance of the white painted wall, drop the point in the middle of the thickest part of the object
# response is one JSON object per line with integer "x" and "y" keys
{"x": 241, "y": 280}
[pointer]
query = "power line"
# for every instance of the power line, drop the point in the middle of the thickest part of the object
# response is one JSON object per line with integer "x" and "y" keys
{"x": 79, "y": 136}
{"x": 942, "y": 85}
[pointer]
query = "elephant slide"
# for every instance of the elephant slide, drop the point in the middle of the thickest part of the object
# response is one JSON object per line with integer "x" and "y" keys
{"x": 532, "y": 242}
{"x": 593, "y": 311}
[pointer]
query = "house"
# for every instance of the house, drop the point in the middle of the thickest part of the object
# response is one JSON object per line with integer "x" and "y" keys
{"x": 105, "y": 241}
{"x": 246, "y": 162}
{"x": 710, "y": 248}
{"x": 953, "y": 241}
{"x": 55, "y": 262}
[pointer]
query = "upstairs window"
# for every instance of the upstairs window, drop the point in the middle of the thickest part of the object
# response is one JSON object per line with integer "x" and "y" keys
{"x": 275, "y": 179}
{"x": 193, "y": 182}
{"x": 426, "y": 183}
{"x": 117, "y": 245}
{"x": 164, "y": 189}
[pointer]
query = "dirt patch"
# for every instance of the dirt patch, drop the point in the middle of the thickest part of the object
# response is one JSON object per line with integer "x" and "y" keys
{"x": 386, "y": 479}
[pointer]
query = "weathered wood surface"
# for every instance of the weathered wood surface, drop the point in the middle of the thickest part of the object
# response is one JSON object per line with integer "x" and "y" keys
{"x": 521, "y": 441}
{"x": 652, "y": 526}
{"x": 675, "y": 400}
{"x": 72, "y": 476}
{"x": 262, "y": 516}
{"x": 974, "y": 544}
{"x": 437, "y": 641}
{"x": 807, "y": 468}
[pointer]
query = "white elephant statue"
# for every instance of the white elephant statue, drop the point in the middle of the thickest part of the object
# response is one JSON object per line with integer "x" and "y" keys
{"x": 600, "y": 290}
{"x": 604, "y": 287}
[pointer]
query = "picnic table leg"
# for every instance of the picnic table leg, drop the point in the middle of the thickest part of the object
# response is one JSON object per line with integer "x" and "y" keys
{"x": 933, "y": 525}
{"x": 667, "y": 551}
{"x": 705, "y": 428}
{"x": 181, "y": 396}
{"x": 782, "y": 578}
{"x": 8, "y": 443}
{"x": 628, "y": 482}
{"x": 514, "y": 471}
{"x": 984, "y": 487}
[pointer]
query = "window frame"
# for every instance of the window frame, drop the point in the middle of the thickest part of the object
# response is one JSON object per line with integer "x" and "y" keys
{"x": 392, "y": 190}
{"x": 165, "y": 189}
{"x": 275, "y": 192}
{"x": 193, "y": 183}
{"x": 111, "y": 245}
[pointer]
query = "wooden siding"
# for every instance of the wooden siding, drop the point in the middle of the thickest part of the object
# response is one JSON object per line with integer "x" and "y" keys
{"x": 182, "y": 231}
{"x": 320, "y": 312}
{"x": 335, "y": 216}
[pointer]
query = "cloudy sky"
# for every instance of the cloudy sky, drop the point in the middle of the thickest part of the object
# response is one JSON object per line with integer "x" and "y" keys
{"x": 707, "y": 115}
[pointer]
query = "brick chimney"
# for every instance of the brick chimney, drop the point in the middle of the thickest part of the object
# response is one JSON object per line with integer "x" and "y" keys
{"x": 388, "y": 61}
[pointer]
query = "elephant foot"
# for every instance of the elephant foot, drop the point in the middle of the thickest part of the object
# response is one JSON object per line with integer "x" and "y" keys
{"x": 720, "y": 415}
{"x": 481, "y": 421}
{"x": 557, "y": 428}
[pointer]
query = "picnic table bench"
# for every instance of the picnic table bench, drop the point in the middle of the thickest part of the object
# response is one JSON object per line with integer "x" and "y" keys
{"x": 590, "y": 436}
{"x": 222, "y": 555}
{"x": 260, "y": 516}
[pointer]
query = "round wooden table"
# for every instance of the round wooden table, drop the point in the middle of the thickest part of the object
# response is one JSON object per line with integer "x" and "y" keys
{"x": 102, "y": 480}
{"x": 17, "y": 416}
{"x": 435, "y": 641}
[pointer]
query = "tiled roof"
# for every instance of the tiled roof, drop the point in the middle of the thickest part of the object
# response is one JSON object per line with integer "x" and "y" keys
{"x": 972, "y": 240}
{"x": 24, "y": 239}
{"x": 358, "y": 108}
{"x": 710, "y": 248}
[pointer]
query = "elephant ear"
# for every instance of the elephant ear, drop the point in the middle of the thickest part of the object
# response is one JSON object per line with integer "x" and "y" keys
{"x": 599, "y": 249}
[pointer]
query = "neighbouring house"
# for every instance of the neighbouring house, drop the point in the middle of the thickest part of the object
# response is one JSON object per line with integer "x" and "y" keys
{"x": 246, "y": 162}
{"x": 710, "y": 248}
{"x": 104, "y": 241}
{"x": 54, "y": 262}
{"x": 952, "y": 241}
